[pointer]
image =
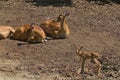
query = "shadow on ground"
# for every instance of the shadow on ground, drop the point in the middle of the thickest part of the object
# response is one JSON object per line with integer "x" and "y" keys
{"x": 103, "y": 2}
{"x": 55, "y": 3}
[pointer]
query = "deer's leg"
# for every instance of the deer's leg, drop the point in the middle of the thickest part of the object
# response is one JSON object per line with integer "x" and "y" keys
{"x": 83, "y": 65}
{"x": 45, "y": 40}
{"x": 98, "y": 65}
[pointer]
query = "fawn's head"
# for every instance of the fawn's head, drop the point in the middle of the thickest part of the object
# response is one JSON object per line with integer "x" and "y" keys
{"x": 78, "y": 49}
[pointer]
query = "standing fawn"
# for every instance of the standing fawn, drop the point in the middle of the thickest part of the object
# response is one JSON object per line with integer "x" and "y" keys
{"x": 88, "y": 56}
{"x": 6, "y": 31}
{"x": 56, "y": 28}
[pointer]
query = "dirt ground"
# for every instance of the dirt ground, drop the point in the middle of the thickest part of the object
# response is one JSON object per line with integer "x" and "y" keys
{"x": 95, "y": 27}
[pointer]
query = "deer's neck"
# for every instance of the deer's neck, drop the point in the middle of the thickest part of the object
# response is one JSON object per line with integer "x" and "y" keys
{"x": 63, "y": 23}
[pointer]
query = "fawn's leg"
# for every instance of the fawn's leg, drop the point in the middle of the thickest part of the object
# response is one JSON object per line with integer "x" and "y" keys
{"x": 82, "y": 66}
{"x": 98, "y": 65}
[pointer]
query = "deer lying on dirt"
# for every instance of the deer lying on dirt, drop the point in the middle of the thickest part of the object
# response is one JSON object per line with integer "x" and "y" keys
{"x": 6, "y": 31}
{"x": 36, "y": 34}
{"x": 89, "y": 55}
{"x": 30, "y": 33}
{"x": 56, "y": 28}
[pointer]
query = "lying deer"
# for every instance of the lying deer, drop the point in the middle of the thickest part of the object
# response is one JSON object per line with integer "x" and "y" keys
{"x": 88, "y": 55}
{"x": 36, "y": 34}
{"x": 29, "y": 33}
{"x": 6, "y": 31}
{"x": 56, "y": 28}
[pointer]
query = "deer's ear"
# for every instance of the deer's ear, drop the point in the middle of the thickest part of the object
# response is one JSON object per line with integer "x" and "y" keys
{"x": 32, "y": 26}
{"x": 81, "y": 46}
{"x": 30, "y": 29}
{"x": 66, "y": 13}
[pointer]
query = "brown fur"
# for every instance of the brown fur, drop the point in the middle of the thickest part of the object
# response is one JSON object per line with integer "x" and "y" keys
{"x": 6, "y": 31}
{"x": 36, "y": 34}
{"x": 91, "y": 56}
{"x": 56, "y": 28}
{"x": 20, "y": 33}
{"x": 25, "y": 33}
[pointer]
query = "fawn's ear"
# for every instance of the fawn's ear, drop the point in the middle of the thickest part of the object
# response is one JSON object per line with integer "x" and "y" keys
{"x": 79, "y": 48}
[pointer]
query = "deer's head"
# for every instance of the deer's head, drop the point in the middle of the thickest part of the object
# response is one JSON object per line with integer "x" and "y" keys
{"x": 62, "y": 16}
